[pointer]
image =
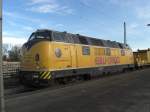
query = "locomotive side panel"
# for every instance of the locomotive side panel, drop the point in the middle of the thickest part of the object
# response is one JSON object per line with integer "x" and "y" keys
{"x": 61, "y": 56}
{"x": 84, "y": 56}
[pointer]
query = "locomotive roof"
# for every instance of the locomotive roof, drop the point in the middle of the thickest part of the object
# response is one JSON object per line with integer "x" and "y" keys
{"x": 91, "y": 40}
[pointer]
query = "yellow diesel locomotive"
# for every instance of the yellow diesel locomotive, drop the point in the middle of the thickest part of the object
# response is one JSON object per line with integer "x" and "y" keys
{"x": 49, "y": 55}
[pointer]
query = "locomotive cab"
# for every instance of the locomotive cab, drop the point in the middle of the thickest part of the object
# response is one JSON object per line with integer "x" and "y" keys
{"x": 34, "y": 62}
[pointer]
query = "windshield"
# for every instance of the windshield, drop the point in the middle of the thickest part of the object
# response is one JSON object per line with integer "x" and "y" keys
{"x": 32, "y": 36}
{"x": 40, "y": 35}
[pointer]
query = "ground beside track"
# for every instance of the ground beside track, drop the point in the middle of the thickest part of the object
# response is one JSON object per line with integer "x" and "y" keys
{"x": 129, "y": 92}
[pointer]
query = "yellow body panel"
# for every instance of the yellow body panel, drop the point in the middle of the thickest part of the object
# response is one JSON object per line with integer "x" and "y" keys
{"x": 71, "y": 57}
{"x": 28, "y": 57}
{"x": 64, "y": 60}
{"x": 84, "y": 60}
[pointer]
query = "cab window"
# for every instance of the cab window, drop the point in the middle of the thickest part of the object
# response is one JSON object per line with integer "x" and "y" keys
{"x": 43, "y": 35}
{"x": 69, "y": 37}
{"x": 60, "y": 37}
{"x": 32, "y": 36}
{"x": 76, "y": 39}
{"x": 40, "y": 35}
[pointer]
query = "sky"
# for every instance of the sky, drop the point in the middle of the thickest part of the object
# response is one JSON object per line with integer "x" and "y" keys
{"x": 95, "y": 18}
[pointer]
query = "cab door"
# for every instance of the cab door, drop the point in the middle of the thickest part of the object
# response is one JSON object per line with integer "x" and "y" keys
{"x": 62, "y": 56}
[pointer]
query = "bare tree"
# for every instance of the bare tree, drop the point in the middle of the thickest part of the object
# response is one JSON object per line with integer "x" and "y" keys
{"x": 5, "y": 51}
{"x": 14, "y": 53}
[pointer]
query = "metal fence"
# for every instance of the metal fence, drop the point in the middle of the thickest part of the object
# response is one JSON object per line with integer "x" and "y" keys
{"x": 10, "y": 69}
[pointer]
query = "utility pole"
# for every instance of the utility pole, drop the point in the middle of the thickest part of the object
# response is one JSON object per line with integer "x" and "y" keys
{"x": 2, "y": 106}
{"x": 125, "y": 38}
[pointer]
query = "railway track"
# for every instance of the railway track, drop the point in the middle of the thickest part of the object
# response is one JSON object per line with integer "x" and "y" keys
{"x": 19, "y": 89}
{"x": 13, "y": 86}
